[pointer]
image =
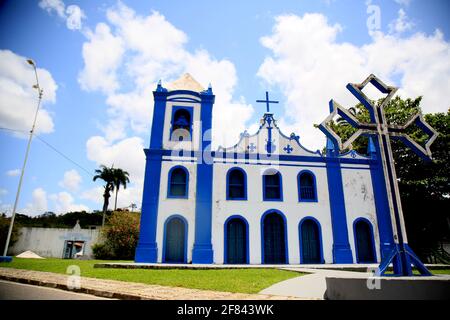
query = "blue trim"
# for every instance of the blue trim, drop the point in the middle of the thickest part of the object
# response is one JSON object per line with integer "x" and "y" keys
{"x": 225, "y": 237}
{"x": 221, "y": 156}
{"x": 203, "y": 250}
{"x": 245, "y": 184}
{"x": 147, "y": 248}
{"x": 319, "y": 228}
{"x": 264, "y": 185}
{"x": 361, "y": 219}
{"x": 314, "y": 186}
{"x": 342, "y": 252}
{"x": 286, "y": 246}
{"x": 186, "y": 229}
{"x": 169, "y": 185}
{"x": 190, "y": 110}
{"x": 186, "y": 92}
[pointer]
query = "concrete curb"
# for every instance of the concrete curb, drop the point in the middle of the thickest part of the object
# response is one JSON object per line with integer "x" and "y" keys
{"x": 125, "y": 290}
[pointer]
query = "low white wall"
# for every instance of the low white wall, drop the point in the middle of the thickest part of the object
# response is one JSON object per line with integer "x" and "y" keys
{"x": 49, "y": 242}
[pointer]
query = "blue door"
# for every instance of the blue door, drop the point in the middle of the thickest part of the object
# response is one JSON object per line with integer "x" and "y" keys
{"x": 236, "y": 242}
{"x": 364, "y": 242}
{"x": 175, "y": 241}
{"x": 274, "y": 239}
{"x": 310, "y": 242}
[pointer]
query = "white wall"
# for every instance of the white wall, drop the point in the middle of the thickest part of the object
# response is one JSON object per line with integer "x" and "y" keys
{"x": 171, "y": 206}
{"x": 49, "y": 242}
{"x": 359, "y": 202}
{"x": 255, "y": 207}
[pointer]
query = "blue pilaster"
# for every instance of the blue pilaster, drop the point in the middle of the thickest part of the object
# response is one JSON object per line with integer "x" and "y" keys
{"x": 342, "y": 252}
{"x": 381, "y": 200}
{"x": 203, "y": 251}
{"x": 147, "y": 248}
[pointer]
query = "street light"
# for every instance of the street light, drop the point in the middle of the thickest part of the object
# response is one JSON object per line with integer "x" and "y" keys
{"x": 40, "y": 92}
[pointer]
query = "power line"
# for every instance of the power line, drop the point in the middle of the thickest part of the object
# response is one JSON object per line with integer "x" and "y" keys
{"x": 53, "y": 148}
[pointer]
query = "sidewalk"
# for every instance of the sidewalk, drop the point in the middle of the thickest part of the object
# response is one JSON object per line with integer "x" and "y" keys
{"x": 309, "y": 286}
{"x": 127, "y": 290}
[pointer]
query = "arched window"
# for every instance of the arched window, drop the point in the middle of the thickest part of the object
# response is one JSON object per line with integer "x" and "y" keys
{"x": 272, "y": 186}
{"x": 181, "y": 124}
{"x": 236, "y": 184}
{"x": 178, "y": 182}
{"x": 307, "y": 186}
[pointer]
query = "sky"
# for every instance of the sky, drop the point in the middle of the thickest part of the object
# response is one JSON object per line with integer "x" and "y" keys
{"x": 99, "y": 61}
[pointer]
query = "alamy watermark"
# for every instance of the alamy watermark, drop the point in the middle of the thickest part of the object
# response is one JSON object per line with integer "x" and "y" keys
{"x": 74, "y": 280}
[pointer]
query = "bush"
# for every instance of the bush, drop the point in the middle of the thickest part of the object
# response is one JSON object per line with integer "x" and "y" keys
{"x": 120, "y": 235}
{"x": 4, "y": 228}
{"x": 102, "y": 251}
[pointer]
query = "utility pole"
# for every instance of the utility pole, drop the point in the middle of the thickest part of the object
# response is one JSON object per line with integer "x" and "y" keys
{"x": 40, "y": 92}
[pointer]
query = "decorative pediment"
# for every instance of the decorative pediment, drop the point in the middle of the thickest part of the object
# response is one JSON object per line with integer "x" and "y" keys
{"x": 269, "y": 141}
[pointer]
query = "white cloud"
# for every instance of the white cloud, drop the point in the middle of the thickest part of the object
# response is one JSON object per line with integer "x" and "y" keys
{"x": 132, "y": 194}
{"x": 38, "y": 203}
{"x": 73, "y": 15}
{"x": 127, "y": 154}
{"x": 140, "y": 50}
{"x": 71, "y": 180}
{"x": 311, "y": 67}
{"x": 401, "y": 24}
{"x": 18, "y": 98}
{"x": 3, "y": 192}
{"x": 102, "y": 55}
{"x": 403, "y": 2}
{"x": 53, "y": 5}
{"x": 13, "y": 172}
{"x": 64, "y": 202}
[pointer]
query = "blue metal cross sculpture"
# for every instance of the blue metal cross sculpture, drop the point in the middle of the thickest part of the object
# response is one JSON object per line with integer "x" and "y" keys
{"x": 401, "y": 255}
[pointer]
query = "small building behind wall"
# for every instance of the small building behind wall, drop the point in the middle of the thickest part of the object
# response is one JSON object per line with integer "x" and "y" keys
{"x": 56, "y": 242}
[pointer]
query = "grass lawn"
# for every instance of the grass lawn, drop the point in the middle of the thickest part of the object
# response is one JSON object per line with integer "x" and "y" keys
{"x": 230, "y": 280}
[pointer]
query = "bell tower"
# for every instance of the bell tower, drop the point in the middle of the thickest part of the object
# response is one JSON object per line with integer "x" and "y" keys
{"x": 182, "y": 114}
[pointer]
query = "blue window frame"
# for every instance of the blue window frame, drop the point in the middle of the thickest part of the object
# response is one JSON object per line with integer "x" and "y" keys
{"x": 178, "y": 182}
{"x": 181, "y": 121}
{"x": 272, "y": 185}
{"x": 307, "y": 189}
{"x": 236, "y": 184}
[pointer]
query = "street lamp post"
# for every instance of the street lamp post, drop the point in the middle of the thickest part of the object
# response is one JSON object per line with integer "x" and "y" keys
{"x": 40, "y": 91}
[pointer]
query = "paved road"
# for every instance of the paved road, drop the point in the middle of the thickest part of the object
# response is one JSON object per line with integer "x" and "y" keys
{"x": 17, "y": 291}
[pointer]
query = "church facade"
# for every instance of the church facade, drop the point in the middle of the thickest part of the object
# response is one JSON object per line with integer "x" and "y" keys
{"x": 265, "y": 200}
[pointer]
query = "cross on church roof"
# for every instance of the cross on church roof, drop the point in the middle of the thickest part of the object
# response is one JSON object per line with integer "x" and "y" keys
{"x": 267, "y": 101}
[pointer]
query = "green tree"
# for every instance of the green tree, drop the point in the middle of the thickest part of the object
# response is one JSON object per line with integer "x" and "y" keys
{"x": 424, "y": 186}
{"x": 4, "y": 228}
{"x": 120, "y": 236}
{"x": 107, "y": 175}
{"x": 120, "y": 178}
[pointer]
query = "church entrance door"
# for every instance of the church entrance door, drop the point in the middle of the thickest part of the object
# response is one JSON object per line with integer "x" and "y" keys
{"x": 274, "y": 239}
{"x": 364, "y": 243}
{"x": 175, "y": 241}
{"x": 236, "y": 242}
{"x": 310, "y": 242}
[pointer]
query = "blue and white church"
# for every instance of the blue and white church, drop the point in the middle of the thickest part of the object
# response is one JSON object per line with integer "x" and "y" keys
{"x": 265, "y": 200}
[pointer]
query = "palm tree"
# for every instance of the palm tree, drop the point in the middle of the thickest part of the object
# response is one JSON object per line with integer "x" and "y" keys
{"x": 107, "y": 175}
{"x": 120, "y": 178}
